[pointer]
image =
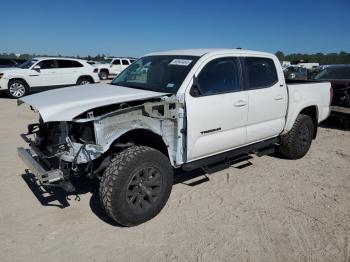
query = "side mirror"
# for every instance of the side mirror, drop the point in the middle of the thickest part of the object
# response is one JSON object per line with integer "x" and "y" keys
{"x": 36, "y": 68}
{"x": 195, "y": 89}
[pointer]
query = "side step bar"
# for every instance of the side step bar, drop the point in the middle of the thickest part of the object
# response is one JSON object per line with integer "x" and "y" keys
{"x": 260, "y": 149}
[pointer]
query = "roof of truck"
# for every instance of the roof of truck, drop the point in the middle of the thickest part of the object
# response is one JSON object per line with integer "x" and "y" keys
{"x": 201, "y": 52}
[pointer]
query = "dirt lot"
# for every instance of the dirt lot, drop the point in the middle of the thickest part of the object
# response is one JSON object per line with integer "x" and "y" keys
{"x": 269, "y": 210}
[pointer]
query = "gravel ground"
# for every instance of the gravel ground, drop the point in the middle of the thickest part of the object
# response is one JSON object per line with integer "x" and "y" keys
{"x": 267, "y": 209}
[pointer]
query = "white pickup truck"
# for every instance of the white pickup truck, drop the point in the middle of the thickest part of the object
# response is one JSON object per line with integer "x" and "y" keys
{"x": 184, "y": 109}
{"x": 113, "y": 66}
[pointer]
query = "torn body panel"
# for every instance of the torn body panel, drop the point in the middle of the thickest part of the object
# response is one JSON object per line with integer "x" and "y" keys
{"x": 164, "y": 118}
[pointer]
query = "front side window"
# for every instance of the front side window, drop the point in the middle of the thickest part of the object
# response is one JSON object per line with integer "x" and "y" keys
{"x": 261, "y": 72}
{"x": 221, "y": 75}
{"x": 116, "y": 62}
{"x": 164, "y": 73}
{"x": 47, "y": 64}
{"x": 125, "y": 62}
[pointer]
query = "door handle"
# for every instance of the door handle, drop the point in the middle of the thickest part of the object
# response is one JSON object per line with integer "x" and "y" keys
{"x": 279, "y": 97}
{"x": 240, "y": 103}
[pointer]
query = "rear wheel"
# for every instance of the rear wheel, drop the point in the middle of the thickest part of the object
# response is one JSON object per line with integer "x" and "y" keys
{"x": 17, "y": 89}
{"x": 136, "y": 185}
{"x": 84, "y": 81}
{"x": 296, "y": 143}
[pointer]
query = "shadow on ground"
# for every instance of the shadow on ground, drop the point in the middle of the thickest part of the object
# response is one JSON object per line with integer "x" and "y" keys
{"x": 57, "y": 197}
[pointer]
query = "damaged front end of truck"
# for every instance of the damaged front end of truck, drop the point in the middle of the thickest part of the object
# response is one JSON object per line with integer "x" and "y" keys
{"x": 62, "y": 148}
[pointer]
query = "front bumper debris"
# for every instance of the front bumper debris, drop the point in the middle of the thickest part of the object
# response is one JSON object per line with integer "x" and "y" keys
{"x": 46, "y": 177}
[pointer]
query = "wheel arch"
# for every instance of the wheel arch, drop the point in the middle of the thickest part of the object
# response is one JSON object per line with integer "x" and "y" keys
{"x": 19, "y": 79}
{"x": 311, "y": 111}
{"x": 143, "y": 137}
{"x": 104, "y": 69}
{"x": 86, "y": 76}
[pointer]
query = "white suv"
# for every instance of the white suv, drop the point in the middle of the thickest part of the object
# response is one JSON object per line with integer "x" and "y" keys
{"x": 46, "y": 72}
{"x": 113, "y": 66}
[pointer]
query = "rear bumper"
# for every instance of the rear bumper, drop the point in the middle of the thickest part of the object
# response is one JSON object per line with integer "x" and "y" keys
{"x": 46, "y": 177}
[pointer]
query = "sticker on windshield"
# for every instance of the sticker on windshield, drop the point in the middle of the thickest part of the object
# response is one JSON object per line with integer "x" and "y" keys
{"x": 170, "y": 85}
{"x": 180, "y": 62}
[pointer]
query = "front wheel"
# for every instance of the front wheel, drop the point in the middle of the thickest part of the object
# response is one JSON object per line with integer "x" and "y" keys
{"x": 17, "y": 89}
{"x": 296, "y": 143}
{"x": 136, "y": 185}
{"x": 103, "y": 75}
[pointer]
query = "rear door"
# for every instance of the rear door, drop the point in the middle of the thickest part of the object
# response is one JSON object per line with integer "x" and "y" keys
{"x": 125, "y": 64}
{"x": 216, "y": 108}
{"x": 68, "y": 71}
{"x": 267, "y": 98}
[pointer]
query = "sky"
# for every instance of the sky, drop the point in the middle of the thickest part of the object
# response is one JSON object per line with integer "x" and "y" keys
{"x": 134, "y": 28}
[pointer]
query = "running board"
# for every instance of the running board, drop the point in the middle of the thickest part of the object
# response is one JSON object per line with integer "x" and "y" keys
{"x": 260, "y": 149}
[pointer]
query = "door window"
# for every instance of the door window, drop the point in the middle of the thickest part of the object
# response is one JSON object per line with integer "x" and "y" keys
{"x": 68, "y": 64}
{"x": 221, "y": 75}
{"x": 125, "y": 62}
{"x": 261, "y": 72}
{"x": 47, "y": 64}
{"x": 116, "y": 62}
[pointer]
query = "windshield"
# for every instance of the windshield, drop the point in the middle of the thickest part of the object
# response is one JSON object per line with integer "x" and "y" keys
{"x": 107, "y": 61}
{"x": 27, "y": 64}
{"x": 157, "y": 73}
{"x": 334, "y": 73}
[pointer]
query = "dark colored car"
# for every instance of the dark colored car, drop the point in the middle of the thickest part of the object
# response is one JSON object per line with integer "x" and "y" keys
{"x": 339, "y": 76}
{"x": 296, "y": 73}
{"x": 8, "y": 62}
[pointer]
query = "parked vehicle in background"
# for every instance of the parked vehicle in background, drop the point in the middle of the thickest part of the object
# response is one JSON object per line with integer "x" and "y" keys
{"x": 9, "y": 63}
{"x": 296, "y": 73}
{"x": 339, "y": 76}
{"x": 113, "y": 66}
{"x": 178, "y": 109}
{"x": 46, "y": 72}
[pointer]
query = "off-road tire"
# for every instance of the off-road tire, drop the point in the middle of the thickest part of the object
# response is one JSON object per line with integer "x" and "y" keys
{"x": 24, "y": 89}
{"x": 103, "y": 75}
{"x": 115, "y": 184}
{"x": 296, "y": 143}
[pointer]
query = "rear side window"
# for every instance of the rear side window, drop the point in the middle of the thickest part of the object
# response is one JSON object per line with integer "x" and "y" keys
{"x": 116, "y": 62}
{"x": 68, "y": 64}
{"x": 125, "y": 62}
{"x": 132, "y": 61}
{"x": 221, "y": 75}
{"x": 261, "y": 72}
{"x": 47, "y": 64}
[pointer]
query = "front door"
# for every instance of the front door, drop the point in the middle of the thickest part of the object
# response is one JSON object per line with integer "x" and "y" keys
{"x": 217, "y": 109}
{"x": 115, "y": 67}
{"x": 46, "y": 76}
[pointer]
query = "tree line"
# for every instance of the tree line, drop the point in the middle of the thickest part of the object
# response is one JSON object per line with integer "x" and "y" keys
{"x": 321, "y": 58}
{"x": 99, "y": 57}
